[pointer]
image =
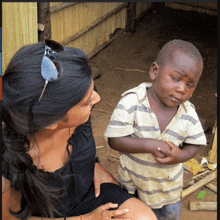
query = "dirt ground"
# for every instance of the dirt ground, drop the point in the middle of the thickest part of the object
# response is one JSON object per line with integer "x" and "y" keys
{"x": 138, "y": 51}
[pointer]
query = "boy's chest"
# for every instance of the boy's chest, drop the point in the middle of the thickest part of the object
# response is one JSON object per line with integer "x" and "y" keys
{"x": 164, "y": 118}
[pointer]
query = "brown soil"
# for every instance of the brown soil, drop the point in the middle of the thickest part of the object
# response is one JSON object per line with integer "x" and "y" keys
{"x": 137, "y": 51}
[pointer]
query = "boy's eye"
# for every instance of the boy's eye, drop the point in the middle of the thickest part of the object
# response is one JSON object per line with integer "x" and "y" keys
{"x": 176, "y": 78}
{"x": 190, "y": 85}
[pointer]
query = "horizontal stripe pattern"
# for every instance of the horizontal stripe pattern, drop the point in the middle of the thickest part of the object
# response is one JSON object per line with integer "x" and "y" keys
{"x": 157, "y": 184}
{"x": 196, "y": 135}
{"x": 175, "y": 134}
{"x": 189, "y": 118}
{"x": 144, "y": 178}
{"x": 147, "y": 163}
{"x": 145, "y": 128}
{"x": 118, "y": 123}
{"x": 159, "y": 191}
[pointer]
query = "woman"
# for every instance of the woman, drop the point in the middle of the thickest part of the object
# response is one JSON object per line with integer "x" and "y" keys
{"x": 49, "y": 167}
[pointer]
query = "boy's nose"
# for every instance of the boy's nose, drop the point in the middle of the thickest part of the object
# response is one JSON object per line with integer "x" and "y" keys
{"x": 181, "y": 88}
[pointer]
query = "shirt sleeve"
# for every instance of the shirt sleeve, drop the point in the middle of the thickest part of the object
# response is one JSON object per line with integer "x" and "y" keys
{"x": 195, "y": 132}
{"x": 122, "y": 119}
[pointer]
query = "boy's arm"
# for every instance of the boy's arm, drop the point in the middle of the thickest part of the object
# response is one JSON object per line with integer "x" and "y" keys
{"x": 177, "y": 155}
{"x": 130, "y": 144}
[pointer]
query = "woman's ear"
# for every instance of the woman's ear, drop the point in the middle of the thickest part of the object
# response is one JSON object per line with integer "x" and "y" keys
{"x": 154, "y": 69}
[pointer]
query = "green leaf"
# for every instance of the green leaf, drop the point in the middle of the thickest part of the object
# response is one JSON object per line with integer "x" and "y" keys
{"x": 201, "y": 195}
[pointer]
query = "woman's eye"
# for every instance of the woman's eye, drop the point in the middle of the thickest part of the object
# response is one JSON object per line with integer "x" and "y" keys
{"x": 88, "y": 103}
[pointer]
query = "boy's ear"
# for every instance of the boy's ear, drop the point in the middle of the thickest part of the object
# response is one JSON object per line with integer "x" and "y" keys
{"x": 154, "y": 69}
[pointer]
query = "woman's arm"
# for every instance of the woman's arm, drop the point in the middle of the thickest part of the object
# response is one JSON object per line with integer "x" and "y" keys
{"x": 102, "y": 176}
{"x": 100, "y": 213}
{"x": 11, "y": 199}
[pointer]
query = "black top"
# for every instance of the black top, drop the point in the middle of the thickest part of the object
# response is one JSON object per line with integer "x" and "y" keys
{"x": 77, "y": 176}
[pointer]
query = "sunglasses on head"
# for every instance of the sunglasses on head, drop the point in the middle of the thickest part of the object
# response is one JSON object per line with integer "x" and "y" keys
{"x": 51, "y": 69}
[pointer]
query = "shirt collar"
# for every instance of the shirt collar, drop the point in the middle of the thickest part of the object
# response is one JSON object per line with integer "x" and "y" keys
{"x": 141, "y": 92}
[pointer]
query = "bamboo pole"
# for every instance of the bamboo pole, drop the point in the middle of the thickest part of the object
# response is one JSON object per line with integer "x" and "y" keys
{"x": 199, "y": 184}
{"x": 206, "y": 206}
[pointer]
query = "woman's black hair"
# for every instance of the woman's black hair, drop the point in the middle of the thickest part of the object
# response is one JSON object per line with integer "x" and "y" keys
{"x": 23, "y": 115}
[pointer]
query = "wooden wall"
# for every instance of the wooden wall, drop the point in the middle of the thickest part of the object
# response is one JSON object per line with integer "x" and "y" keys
{"x": 19, "y": 26}
{"x": 86, "y": 25}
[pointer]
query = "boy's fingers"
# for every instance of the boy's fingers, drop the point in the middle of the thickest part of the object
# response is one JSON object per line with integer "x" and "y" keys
{"x": 171, "y": 145}
{"x": 164, "y": 151}
{"x": 162, "y": 160}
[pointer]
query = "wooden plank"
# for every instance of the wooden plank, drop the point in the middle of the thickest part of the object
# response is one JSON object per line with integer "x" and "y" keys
{"x": 205, "y": 206}
{"x": 211, "y": 187}
{"x": 208, "y": 185}
{"x": 199, "y": 184}
{"x": 61, "y": 6}
{"x": 187, "y": 7}
{"x": 203, "y": 5}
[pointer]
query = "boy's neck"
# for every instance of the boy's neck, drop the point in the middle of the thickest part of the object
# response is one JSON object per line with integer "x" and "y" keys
{"x": 163, "y": 113}
{"x": 156, "y": 104}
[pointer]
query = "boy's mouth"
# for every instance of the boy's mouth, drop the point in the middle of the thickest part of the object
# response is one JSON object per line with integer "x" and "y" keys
{"x": 175, "y": 99}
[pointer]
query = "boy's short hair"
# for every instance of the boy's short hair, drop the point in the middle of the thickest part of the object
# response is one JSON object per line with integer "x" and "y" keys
{"x": 165, "y": 55}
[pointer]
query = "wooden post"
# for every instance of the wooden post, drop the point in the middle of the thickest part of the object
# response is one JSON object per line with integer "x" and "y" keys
{"x": 44, "y": 24}
{"x": 199, "y": 184}
{"x": 213, "y": 152}
{"x": 131, "y": 16}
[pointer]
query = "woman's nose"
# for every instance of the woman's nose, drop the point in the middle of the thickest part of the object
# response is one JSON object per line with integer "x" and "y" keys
{"x": 95, "y": 98}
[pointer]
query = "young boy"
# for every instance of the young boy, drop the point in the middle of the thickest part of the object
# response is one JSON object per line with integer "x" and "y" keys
{"x": 155, "y": 128}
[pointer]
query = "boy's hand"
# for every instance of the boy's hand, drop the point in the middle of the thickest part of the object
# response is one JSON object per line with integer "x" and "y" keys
{"x": 162, "y": 145}
{"x": 173, "y": 156}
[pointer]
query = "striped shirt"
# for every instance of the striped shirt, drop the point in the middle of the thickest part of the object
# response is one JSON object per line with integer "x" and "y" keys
{"x": 157, "y": 184}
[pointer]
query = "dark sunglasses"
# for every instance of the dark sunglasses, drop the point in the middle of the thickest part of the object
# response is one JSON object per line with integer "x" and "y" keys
{"x": 51, "y": 69}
